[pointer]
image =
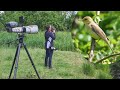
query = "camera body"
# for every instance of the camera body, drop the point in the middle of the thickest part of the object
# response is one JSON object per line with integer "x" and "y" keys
{"x": 53, "y": 48}
{"x": 16, "y": 27}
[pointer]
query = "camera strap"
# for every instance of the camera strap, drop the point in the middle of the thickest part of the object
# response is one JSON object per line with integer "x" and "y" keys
{"x": 49, "y": 42}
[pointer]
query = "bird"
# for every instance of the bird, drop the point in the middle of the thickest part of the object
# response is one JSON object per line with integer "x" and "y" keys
{"x": 95, "y": 31}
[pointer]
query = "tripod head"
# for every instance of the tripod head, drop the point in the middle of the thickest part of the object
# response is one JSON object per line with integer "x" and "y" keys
{"x": 21, "y": 37}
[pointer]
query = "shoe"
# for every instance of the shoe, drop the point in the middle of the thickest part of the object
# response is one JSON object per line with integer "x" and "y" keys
{"x": 50, "y": 67}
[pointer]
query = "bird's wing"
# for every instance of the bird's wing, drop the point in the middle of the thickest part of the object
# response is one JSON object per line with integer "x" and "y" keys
{"x": 98, "y": 31}
{"x": 101, "y": 34}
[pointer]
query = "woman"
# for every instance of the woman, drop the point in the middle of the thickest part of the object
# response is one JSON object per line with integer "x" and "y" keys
{"x": 49, "y": 37}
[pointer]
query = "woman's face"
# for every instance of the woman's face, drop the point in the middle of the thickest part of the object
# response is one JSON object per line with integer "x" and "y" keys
{"x": 50, "y": 29}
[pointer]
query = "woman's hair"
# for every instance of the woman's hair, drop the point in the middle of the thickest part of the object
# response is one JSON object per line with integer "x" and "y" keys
{"x": 50, "y": 26}
{"x": 47, "y": 27}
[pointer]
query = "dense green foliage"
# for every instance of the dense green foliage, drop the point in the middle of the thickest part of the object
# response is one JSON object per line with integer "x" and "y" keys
{"x": 110, "y": 25}
{"x": 41, "y": 18}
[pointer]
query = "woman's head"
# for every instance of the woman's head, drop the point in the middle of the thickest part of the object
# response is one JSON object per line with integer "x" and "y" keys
{"x": 50, "y": 28}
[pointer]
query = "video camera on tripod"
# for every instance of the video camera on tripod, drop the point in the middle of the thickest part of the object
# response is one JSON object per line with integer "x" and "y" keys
{"x": 16, "y": 27}
{"x": 13, "y": 27}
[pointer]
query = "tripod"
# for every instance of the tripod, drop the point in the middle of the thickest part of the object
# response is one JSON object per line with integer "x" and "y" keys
{"x": 16, "y": 58}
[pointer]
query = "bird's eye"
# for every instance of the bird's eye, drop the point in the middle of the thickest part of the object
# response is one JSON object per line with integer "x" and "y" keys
{"x": 85, "y": 19}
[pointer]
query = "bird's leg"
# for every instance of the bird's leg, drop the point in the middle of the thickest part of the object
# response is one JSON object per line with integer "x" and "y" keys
{"x": 91, "y": 55}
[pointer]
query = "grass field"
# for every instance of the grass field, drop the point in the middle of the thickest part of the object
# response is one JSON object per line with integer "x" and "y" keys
{"x": 66, "y": 65}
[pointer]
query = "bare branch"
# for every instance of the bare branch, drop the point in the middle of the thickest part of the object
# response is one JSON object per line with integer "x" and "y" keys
{"x": 113, "y": 55}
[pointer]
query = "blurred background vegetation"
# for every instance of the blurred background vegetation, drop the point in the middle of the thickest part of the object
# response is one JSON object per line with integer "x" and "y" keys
{"x": 60, "y": 19}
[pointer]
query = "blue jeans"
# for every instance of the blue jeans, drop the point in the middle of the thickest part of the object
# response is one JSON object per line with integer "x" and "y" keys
{"x": 48, "y": 58}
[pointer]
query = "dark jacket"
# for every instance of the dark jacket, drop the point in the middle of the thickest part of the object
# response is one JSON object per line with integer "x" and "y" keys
{"x": 47, "y": 36}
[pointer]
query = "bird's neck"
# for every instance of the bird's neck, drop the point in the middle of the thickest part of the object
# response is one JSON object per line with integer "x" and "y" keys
{"x": 88, "y": 23}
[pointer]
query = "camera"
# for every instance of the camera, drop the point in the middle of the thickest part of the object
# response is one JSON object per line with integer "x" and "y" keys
{"x": 53, "y": 48}
{"x": 16, "y": 27}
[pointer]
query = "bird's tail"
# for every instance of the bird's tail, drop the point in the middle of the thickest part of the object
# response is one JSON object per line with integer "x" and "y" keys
{"x": 108, "y": 42}
{"x": 111, "y": 48}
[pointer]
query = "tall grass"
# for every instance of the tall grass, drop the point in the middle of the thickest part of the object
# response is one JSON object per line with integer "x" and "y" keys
{"x": 102, "y": 75}
{"x": 97, "y": 71}
{"x": 63, "y": 40}
{"x": 88, "y": 69}
{"x": 6, "y": 37}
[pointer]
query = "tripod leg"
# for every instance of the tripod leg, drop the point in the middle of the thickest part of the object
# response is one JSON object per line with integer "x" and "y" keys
{"x": 16, "y": 62}
{"x": 13, "y": 62}
{"x": 31, "y": 60}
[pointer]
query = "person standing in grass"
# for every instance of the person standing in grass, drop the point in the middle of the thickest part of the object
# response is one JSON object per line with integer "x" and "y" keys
{"x": 49, "y": 44}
